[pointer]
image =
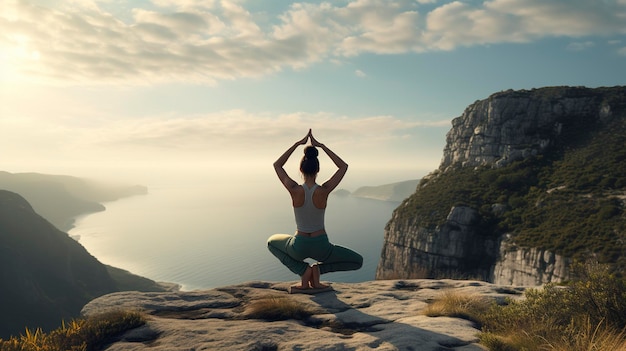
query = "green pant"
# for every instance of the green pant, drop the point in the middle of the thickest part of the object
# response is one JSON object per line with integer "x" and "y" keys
{"x": 292, "y": 250}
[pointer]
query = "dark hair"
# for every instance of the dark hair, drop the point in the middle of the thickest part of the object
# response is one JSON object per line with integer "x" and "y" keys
{"x": 310, "y": 165}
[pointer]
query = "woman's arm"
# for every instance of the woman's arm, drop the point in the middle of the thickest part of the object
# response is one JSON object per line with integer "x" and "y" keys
{"x": 336, "y": 178}
{"x": 280, "y": 163}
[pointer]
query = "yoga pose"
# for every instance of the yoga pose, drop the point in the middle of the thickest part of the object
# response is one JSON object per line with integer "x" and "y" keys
{"x": 309, "y": 204}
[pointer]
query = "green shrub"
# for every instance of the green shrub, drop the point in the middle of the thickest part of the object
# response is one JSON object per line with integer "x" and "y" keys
{"x": 588, "y": 313}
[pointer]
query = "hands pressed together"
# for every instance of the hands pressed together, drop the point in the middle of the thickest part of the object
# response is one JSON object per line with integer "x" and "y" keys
{"x": 308, "y": 136}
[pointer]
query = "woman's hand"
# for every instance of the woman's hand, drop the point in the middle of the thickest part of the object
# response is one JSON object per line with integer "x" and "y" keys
{"x": 314, "y": 141}
{"x": 305, "y": 139}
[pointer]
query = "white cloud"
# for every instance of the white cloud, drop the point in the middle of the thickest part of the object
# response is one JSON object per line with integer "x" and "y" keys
{"x": 208, "y": 41}
{"x": 360, "y": 73}
{"x": 233, "y": 130}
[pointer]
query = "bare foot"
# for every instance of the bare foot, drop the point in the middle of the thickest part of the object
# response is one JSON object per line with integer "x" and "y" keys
{"x": 306, "y": 278}
{"x": 315, "y": 278}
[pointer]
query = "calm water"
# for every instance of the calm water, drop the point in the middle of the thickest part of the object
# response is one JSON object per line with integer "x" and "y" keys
{"x": 203, "y": 236}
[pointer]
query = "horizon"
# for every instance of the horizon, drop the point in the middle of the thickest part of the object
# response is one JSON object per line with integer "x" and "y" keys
{"x": 118, "y": 90}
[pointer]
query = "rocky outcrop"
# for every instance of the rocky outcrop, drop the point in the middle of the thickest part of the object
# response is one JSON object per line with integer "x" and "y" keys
{"x": 512, "y": 125}
{"x": 379, "y": 315}
{"x": 506, "y": 127}
{"x": 412, "y": 251}
{"x": 528, "y": 266}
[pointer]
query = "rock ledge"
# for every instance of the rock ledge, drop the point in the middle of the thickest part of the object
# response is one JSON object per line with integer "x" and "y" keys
{"x": 376, "y": 315}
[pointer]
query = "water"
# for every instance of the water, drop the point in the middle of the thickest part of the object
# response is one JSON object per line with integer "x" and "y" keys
{"x": 202, "y": 234}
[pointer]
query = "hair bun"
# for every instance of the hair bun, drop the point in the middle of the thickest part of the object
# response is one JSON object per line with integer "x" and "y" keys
{"x": 310, "y": 151}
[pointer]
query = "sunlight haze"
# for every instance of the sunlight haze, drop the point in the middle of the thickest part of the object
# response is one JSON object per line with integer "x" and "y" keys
{"x": 108, "y": 88}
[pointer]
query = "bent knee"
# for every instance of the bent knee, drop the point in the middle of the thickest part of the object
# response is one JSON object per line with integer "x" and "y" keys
{"x": 275, "y": 239}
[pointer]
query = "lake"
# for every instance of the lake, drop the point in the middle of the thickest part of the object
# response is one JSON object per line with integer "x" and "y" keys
{"x": 206, "y": 233}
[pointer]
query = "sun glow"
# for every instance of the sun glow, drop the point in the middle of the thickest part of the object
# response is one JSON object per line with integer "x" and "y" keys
{"x": 15, "y": 55}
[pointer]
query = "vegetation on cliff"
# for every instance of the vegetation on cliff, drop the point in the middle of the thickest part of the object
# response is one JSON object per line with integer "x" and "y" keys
{"x": 588, "y": 313}
{"x": 569, "y": 200}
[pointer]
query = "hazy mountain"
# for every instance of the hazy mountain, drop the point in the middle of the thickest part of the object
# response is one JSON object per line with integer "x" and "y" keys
{"x": 395, "y": 192}
{"x": 60, "y": 198}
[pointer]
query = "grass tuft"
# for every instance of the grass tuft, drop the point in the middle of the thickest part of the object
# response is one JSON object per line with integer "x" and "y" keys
{"x": 89, "y": 334}
{"x": 455, "y": 304}
{"x": 588, "y": 314}
{"x": 275, "y": 308}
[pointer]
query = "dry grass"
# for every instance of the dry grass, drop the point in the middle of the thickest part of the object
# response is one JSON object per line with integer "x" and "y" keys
{"x": 278, "y": 308}
{"x": 588, "y": 314}
{"x": 78, "y": 335}
{"x": 455, "y": 304}
{"x": 592, "y": 338}
{"x": 598, "y": 338}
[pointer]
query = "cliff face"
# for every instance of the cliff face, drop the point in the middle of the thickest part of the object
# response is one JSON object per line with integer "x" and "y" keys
{"x": 513, "y": 125}
{"x": 494, "y": 133}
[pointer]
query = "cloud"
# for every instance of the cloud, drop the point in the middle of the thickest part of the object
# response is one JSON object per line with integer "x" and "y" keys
{"x": 360, "y": 73}
{"x": 228, "y": 141}
{"x": 226, "y": 131}
{"x": 242, "y": 130}
{"x": 208, "y": 41}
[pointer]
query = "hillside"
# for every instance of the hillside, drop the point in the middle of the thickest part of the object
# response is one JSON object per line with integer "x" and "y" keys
{"x": 394, "y": 192}
{"x": 48, "y": 277}
{"x": 60, "y": 198}
{"x": 542, "y": 169}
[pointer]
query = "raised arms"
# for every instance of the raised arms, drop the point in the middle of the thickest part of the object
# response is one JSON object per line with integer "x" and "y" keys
{"x": 280, "y": 163}
{"x": 342, "y": 167}
{"x": 330, "y": 184}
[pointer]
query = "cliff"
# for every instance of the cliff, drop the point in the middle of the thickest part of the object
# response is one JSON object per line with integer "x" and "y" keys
{"x": 48, "y": 277}
{"x": 379, "y": 315}
{"x": 529, "y": 181}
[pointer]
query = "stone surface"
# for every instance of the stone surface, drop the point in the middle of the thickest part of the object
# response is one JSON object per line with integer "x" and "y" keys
{"x": 528, "y": 266}
{"x": 378, "y": 315}
{"x": 512, "y": 125}
{"x": 411, "y": 251}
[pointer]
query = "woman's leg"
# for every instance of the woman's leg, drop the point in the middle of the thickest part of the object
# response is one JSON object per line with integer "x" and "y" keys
{"x": 315, "y": 278}
{"x": 279, "y": 245}
{"x": 340, "y": 259}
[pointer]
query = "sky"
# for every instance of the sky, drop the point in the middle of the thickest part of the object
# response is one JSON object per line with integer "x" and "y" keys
{"x": 124, "y": 88}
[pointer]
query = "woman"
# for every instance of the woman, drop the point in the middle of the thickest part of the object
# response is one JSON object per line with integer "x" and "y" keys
{"x": 309, "y": 204}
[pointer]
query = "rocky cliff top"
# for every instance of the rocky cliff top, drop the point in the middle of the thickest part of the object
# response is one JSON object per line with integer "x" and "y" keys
{"x": 378, "y": 315}
{"x": 512, "y": 125}
{"x": 530, "y": 181}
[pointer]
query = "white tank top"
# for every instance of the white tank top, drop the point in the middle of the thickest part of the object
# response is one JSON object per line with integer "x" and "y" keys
{"x": 309, "y": 218}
